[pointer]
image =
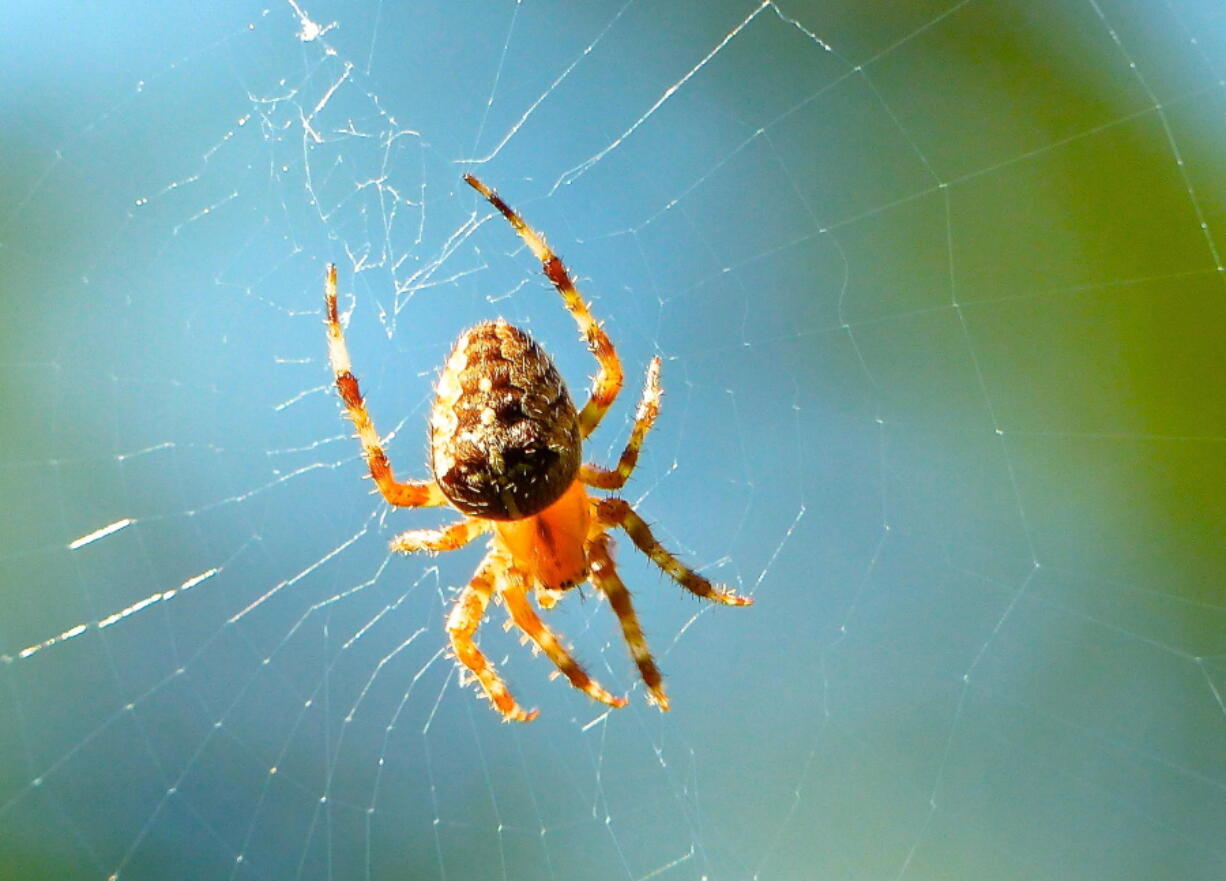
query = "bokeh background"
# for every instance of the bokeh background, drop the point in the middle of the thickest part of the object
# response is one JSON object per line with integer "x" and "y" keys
{"x": 939, "y": 291}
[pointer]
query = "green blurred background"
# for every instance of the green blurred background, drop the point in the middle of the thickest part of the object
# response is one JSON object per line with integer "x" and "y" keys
{"x": 939, "y": 290}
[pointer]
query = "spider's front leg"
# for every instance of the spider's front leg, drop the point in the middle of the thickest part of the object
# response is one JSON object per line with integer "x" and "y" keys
{"x": 462, "y": 626}
{"x": 437, "y": 541}
{"x": 414, "y": 494}
{"x": 617, "y": 512}
{"x": 608, "y": 380}
{"x": 515, "y": 596}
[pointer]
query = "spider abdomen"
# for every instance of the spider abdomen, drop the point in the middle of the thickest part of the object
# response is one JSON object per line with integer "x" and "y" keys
{"x": 504, "y": 434}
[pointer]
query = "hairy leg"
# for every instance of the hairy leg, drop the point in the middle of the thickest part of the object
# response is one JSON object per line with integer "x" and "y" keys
{"x": 414, "y": 494}
{"x": 462, "y": 626}
{"x": 437, "y": 541}
{"x": 515, "y": 595}
{"x": 606, "y": 579}
{"x": 609, "y": 377}
{"x": 644, "y": 418}
{"x": 617, "y": 512}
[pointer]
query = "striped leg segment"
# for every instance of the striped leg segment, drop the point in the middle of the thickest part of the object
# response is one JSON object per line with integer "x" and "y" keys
{"x": 609, "y": 377}
{"x": 515, "y": 595}
{"x": 414, "y": 494}
{"x": 649, "y": 409}
{"x": 462, "y": 626}
{"x": 606, "y": 579}
{"x": 617, "y": 512}
{"x": 437, "y": 541}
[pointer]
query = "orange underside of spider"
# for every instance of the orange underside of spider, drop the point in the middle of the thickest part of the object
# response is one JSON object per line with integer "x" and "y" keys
{"x": 548, "y": 548}
{"x": 497, "y": 389}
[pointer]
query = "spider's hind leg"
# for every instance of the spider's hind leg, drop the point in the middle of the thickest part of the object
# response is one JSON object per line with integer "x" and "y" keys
{"x": 411, "y": 494}
{"x": 649, "y": 409}
{"x": 608, "y": 380}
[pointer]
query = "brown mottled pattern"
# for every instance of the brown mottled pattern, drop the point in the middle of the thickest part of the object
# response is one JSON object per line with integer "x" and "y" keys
{"x": 505, "y": 443}
{"x": 505, "y": 440}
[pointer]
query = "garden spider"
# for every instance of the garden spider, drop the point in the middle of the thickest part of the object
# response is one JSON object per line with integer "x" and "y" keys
{"x": 505, "y": 447}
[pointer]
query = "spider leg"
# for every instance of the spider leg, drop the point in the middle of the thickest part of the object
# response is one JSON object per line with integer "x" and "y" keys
{"x": 414, "y": 494}
{"x": 437, "y": 541}
{"x": 606, "y": 579}
{"x": 649, "y": 409}
{"x": 515, "y": 596}
{"x": 617, "y": 512}
{"x": 608, "y": 380}
{"x": 462, "y": 626}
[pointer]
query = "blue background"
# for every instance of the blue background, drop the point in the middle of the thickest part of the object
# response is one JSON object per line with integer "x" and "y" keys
{"x": 940, "y": 296}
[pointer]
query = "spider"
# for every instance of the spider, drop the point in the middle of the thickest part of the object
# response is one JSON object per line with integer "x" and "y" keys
{"x": 505, "y": 448}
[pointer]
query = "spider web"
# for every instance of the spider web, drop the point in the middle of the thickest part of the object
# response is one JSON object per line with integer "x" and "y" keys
{"x": 939, "y": 292}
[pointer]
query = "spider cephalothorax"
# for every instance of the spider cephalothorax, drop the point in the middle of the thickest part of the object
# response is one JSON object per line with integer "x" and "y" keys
{"x": 505, "y": 447}
{"x": 504, "y": 434}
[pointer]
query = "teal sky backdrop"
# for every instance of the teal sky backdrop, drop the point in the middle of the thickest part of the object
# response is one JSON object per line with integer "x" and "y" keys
{"x": 940, "y": 296}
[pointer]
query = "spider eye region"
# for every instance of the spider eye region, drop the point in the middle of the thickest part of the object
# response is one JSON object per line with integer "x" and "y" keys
{"x": 504, "y": 434}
